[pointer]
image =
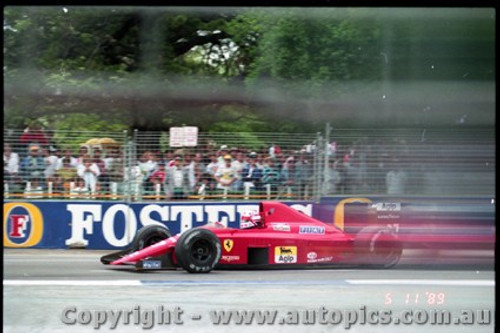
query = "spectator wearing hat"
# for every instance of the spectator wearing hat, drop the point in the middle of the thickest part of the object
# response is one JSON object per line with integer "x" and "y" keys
{"x": 223, "y": 151}
{"x": 33, "y": 165}
{"x": 226, "y": 175}
{"x": 177, "y": 180}
{"x": 251, "y": 174}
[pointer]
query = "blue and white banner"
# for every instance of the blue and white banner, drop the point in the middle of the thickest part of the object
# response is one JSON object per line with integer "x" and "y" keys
{"x": 112, "y": 225}
{"x": 106, "y": 225}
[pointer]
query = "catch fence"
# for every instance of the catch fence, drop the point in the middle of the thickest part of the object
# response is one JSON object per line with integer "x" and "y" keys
{"x": 138, "y": 165}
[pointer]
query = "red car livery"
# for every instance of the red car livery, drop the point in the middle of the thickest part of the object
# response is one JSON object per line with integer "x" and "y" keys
{"x": 284, "y": 238}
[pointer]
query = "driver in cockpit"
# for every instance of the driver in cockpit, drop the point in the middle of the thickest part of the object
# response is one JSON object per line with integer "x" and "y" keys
{"x": 250, "y": 220}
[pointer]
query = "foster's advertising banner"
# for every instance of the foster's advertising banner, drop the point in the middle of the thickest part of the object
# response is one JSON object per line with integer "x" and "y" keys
{"x": 107, "y": 225}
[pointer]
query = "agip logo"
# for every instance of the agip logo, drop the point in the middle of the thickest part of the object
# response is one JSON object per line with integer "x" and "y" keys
{"x": 285, "y": 254}
{"x": 22, "y": 225}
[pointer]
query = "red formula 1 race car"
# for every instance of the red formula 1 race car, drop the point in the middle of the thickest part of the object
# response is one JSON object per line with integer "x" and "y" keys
{"x": 277, "y": 236}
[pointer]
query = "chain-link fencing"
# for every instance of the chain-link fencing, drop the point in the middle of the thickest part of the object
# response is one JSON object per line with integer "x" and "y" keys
{"x": 136, "y": 166}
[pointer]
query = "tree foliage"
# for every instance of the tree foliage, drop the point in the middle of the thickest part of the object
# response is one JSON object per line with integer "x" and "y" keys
{"x": 151, "y": 68}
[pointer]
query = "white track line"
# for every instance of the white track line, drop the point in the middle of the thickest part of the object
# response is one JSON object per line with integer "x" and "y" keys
{"x": 464, "y": 283}
{"x": 71, "y": 283}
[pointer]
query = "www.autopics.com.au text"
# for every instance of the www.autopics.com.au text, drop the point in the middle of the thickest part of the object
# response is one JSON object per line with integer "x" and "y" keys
{"x": 148, "y": 318}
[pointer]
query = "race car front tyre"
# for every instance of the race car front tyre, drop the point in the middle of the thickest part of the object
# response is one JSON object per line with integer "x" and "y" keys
{"x": 198, "y": 250}
{"x": 146, "y": 236}
{"x": 149, "y": 235}
{"x": 377, "y": 247}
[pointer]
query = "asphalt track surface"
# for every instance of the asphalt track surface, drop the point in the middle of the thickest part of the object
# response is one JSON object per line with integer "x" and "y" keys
{"x": 43, "y": 288}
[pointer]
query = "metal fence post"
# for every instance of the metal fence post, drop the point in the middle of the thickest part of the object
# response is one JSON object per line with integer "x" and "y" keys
{"x": 318, "y": 155}
{"x": 326, "y": 164}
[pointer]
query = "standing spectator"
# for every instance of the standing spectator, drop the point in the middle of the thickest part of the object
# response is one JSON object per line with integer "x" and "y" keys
{"x": 223, "y": 151}
{"x": 132, "y": 181}
{"x": 213, "y": 165}
{"x": 251, "y": 174}
{"x": 33, "y": 165}
{"x": 103, "y": 174}
{"x": 352, "y": 174}
{"x": 196, "y": 170}
{"x": 226, "y": 175}
{"x": 147, "y": 164}
{"x": 89, "y": 171}
{"x": 289, "y": 174}
{"x": 305, "y": 173}
{"x": 259, "y": 161}
{"x": 67, "y": 154}
{"x": 11, "y": 167}
{"x": 65, "y": 175}
{"x": 158, "y": 176}
{"x": 279, "y": 160}
{"x": 33, "y": 134}
{"x": 238, "y": 164}
{"x": 274, "y": 150}
{"x": 177, "y": 180}
{"x": 82, "y": 152}
{"x": 116, "y": 169}
{"x": 271, "y": 175}
{"x": 51, "y": 162}
{"x": 168, "y": 159}
{"x": 187, "y": 165}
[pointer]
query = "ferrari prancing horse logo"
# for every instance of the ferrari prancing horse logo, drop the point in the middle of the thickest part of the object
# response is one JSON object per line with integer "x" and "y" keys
{"x": 228, "y": 245}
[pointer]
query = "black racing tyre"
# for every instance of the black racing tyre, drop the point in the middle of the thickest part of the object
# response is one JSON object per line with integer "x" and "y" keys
{"x": 149, "y": 235}
{"x": 377, "y": 247}
{"x": 198, "y": 250}
{"x": 146, "y": 236}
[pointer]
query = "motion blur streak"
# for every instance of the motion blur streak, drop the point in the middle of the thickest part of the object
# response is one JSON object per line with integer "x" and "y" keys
{"x": 444, "y": 231}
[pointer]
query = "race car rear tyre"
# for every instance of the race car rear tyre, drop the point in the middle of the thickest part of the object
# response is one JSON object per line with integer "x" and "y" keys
{"x": 377, "y": 247}
{"x": 146, "y": 236}
{"x": 198, "y": 250}
{"x": 149, "y": 235}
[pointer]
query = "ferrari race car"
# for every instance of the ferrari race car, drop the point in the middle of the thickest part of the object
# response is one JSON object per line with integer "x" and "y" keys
{"x": 277, "y": 236}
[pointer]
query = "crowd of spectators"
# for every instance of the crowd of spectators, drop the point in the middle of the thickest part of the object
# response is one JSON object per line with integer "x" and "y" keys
{"x": 94, "y": 171}
{"x": 182, "y": 174}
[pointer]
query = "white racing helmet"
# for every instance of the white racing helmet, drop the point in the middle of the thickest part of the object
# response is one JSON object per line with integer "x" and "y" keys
{"x": 250, "y": 219}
